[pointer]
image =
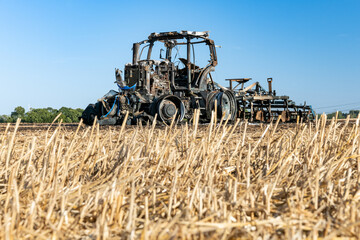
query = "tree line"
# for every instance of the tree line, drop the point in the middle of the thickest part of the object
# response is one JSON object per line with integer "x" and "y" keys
{"x": 69, "y": 115}
{"x": 42, "y": 115}
{"x": 341, "y": 115}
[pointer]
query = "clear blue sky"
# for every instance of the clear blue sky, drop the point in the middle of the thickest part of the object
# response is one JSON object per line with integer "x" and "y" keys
{"x": 63, "y": 53}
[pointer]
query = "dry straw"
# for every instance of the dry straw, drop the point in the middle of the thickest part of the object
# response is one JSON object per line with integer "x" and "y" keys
{"x": 218, "y": 181}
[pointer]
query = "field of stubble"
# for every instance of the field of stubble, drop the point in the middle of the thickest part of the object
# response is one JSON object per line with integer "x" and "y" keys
{"x": 239, "y": 181}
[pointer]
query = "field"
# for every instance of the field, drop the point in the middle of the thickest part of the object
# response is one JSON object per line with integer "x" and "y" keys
{"x": 239, "y": 181}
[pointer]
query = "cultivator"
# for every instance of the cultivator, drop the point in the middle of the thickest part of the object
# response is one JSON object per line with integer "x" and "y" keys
{"x": 173, "y": 87}
{"x": 257, "y": 104}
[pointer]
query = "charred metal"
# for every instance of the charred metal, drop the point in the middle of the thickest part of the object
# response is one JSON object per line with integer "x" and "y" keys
{"x": 173, "y": 87}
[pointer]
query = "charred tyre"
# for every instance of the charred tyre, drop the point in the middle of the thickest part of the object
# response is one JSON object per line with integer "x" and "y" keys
{"x": 168, "y": 107}
{"x": 90, "y": 112}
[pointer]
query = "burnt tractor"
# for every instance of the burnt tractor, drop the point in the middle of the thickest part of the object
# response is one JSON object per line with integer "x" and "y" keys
{"x": 172, "y": 87}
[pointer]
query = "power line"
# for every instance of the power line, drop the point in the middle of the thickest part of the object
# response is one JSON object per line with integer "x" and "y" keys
{"x": 349, "y": 109}
{"x": 357, "y": 108}
{"x": 341, "y": 105}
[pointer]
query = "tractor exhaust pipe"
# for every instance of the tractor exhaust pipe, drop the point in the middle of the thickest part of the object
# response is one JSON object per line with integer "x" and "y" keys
{"x": 269, "y": 80}
{"x": 136, "y": 47}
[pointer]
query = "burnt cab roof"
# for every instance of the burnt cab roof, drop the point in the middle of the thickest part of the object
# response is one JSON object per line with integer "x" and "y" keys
{"x": 178, "y": 35}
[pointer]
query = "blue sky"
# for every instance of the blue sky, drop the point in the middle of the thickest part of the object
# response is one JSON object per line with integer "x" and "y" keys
{"x": 63, "y": 53}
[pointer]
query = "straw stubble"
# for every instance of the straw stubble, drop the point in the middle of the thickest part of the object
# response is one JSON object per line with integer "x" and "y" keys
{"x": 185, "y": 181}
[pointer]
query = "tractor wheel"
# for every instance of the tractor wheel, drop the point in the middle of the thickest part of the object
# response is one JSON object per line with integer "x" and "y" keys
{"x": 226, "y": 105}
{"x": 90, "y": 112}
{"x": 168, "y": 106}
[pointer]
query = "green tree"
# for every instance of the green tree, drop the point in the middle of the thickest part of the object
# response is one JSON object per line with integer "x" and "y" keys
{"x": 5, "y": 119}
{"x": 354, "y": 113}
{"x": 70, "y": 115}
{"x": 40, "y": 115}
{"x": 19, "y": 112}
{"x": 43, "y": 115}
{"x": 341, "y": 115}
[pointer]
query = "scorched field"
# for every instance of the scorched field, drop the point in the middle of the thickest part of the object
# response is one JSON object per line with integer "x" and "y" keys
{"x": 239, "y": 181}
